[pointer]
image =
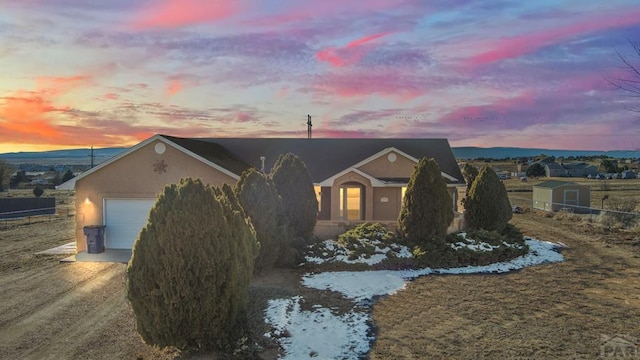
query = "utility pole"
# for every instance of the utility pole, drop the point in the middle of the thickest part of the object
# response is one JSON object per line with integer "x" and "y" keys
{"x": 309, "y": 125}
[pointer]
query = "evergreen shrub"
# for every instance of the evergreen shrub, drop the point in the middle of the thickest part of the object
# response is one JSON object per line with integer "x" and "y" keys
{"x": 187, "y": 280}
{"x": 427, "y": 209}
{"x": 295, "y": 186}
{"x": 260, "y": 199}
{"x": 487, "y": 206}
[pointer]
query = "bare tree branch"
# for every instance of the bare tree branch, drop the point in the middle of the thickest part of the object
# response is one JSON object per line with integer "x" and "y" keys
{"x": 629, "y": 84}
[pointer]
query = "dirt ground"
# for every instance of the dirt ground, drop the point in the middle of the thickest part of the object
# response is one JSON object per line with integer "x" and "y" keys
{"x": 554, "y": 311}
{"x": 52, "y": 310}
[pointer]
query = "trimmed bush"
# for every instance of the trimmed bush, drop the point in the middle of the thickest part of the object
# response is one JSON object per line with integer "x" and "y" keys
{"x": 369, "y": 231}
{"x": 363, "y": 239}
{"x": 427, "y": 209}
{"x": 68, "y": 175}
{"x": 294, "y": 183}
{"x": 258, "y": 196}
{"x": 186, "y": 282}
{"x": 470, "y": 173}
{"x": 536, "y": 170}
{"x": 487, "y": 205}
{"x": 38, "y": 191}
{"x": 242, "y": 230}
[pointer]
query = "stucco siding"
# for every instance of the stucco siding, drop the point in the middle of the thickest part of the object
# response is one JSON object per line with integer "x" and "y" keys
{"x": 325, "y": 203}
{"x": 381, "y": 167}
{"x": 387, "y": 203}
{"x": 137, "y": 175}
{"x": 461, "y": 192}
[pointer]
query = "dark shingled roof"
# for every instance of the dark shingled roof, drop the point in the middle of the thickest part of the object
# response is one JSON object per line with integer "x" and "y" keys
{"x": 323, "y": 157}
{"x": 212, "y": 152}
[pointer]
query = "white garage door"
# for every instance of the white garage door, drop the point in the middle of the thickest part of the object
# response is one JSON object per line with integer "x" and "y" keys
{"x": 124, "y": 220}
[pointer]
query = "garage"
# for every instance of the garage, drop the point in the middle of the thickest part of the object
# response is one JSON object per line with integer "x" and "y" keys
{"x": 124, "y": 219}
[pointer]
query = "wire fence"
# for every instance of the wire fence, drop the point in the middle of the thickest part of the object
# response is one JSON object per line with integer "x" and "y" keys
{"x": 27, "y": 217}
{"x": 623, "y": 216}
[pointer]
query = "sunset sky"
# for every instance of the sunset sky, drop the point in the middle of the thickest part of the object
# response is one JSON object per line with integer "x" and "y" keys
{"x": 79, "y": 73}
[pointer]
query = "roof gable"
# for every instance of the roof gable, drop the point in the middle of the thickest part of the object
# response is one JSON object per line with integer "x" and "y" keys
{"x": 70, "y": 185}
{"x": 378, "y": 182}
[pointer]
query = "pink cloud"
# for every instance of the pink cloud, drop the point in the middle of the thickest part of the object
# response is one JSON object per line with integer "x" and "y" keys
{"x": 243, "y": 117}
{"x": 174, "y": 86}
{"x": 515, "y": 46}
{"x": 388, "y": 83}
{"x": 178, "y": 13}
{"x": 590, "y": 136}
{"x": 349, "y": 54}
{"x": 282, "y": 93}
{"x": 111, "y": 96}
{"x": 54, "y": 86}
{"x": 33, "y": 117}
{"x": 29, "y": 115}
{"x": 502, "y": 113}
{"x": 304, "y": 10}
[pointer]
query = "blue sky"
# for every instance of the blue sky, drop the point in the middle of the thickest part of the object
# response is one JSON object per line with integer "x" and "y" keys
{"x": 480, "y": 73}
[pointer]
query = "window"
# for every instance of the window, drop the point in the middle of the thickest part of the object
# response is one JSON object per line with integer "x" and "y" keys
{"x": 351, "y": 201}
{"x": 318, "y": 191}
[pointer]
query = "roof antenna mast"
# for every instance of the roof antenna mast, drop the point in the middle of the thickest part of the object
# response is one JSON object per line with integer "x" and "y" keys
{"x": 309, "y": 125}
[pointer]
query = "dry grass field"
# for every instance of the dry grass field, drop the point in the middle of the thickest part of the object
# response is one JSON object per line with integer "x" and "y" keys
{"x": 52, "y": 310}
{"x": 556, "y": 311}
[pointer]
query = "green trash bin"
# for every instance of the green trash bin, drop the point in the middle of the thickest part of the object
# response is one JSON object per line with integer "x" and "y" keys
{"x": 95, "y": 238}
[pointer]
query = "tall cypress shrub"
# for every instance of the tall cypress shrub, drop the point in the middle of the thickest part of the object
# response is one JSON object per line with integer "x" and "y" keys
{"x": 295, "y": 186}
{"x": 245, "y": 244}
{"x": 184, "y": 283}
{"x": 487, "y": 205}
{"x": 260, "y": 199}
{"x": 427, "y": 209}
{"x": 470, "y": 173}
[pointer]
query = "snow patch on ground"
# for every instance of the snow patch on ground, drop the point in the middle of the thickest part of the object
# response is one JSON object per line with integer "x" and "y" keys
{"x": 476, "y": 245}
{"x": 357, "y": 285}
{"x": 364, "y": 285}
{"x": 317, "y": 334}
{"x": 332, "y": 251}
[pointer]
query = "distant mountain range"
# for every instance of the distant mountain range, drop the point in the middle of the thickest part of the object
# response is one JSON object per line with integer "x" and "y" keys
{"x": 62, "y": 157}
{"x": 472, "y": 152}
{"x": 82, "y": 156}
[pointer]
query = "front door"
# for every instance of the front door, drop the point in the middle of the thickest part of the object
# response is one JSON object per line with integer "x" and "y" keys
{"x": 351, "y": 202}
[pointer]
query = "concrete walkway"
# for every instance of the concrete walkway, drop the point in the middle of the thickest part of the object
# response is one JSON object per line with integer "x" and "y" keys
{"x": 109, "y": 255}
{"x": 69, "y": 248}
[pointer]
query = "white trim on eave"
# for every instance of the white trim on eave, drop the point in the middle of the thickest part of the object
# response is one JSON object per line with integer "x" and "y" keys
{"x": 70, "y": 184}
{"x": 374, "y": 181}
{"x": 329, "y": 181}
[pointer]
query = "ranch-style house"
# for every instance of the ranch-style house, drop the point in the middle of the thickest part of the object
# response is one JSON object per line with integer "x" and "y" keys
{"x": 355, "y": 180}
